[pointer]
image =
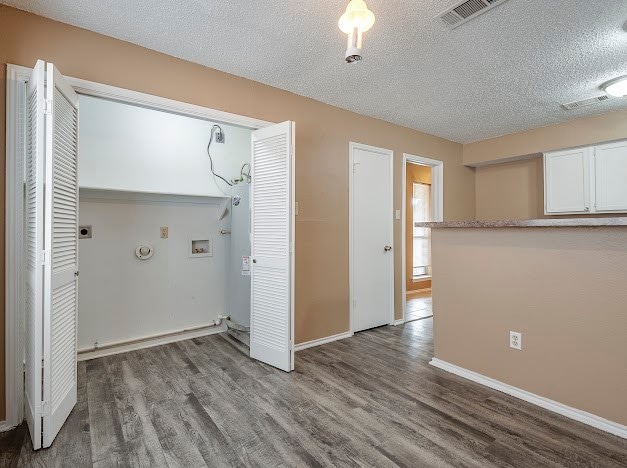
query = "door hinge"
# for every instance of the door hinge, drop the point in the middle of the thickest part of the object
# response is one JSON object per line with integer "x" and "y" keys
{"x": 291, "y": 345}
{"x": 44, "y": 408}
{"x": 44, "y": 257}
{"x": 47, "y": 106}
{"x": 355, "y": 167}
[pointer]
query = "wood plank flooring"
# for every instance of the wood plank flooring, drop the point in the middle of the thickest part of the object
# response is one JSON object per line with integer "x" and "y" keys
{"x": 370, "y": 400}
{"x": 418, "y": 306}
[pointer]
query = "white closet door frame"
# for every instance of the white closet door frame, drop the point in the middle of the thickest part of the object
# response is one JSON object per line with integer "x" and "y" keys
{"x": 35, "y": 167}
{"x": 272, "y": 246}
{"x": 15, "y": 287}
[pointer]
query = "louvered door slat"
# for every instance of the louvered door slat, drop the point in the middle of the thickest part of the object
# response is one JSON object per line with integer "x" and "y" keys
{"x": 272, "y": 232}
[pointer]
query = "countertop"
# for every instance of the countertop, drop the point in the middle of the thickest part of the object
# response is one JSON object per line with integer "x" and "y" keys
{"x": 531, "y": 223}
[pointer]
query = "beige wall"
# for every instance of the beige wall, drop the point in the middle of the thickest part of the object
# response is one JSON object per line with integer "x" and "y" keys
{"x": 563, "y": 289}
{"x": 580, "y": 132}
{"x": 415, "y": 174}
{"x": 322, "y": 136}
{"x": 513, "y": 190}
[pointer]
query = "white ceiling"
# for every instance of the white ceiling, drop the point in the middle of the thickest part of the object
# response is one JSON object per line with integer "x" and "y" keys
{"x": 505, "y": 71}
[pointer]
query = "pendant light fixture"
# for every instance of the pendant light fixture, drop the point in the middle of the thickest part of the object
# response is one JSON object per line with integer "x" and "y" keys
{"x": 356, "y": 20}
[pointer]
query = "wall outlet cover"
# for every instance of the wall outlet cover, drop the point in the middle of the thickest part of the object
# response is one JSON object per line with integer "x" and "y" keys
{"x": 164, "y": 232}
{"x": 515, "y": 340}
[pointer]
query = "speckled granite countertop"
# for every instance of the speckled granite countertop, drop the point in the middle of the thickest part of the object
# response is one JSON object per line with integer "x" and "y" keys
{"x": 533, "y": 223}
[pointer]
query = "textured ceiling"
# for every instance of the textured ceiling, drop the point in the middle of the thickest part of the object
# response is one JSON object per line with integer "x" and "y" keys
{"x": 505, "y": 71}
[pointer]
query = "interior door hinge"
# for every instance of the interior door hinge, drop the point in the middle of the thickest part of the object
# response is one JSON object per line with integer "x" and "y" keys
{"x": 355, "y": 167}
{"x": 44, "y": 257}
{"x": 47, "y": 106}
{"x": 291, "y": 345}
{"x": 44, "y": 408}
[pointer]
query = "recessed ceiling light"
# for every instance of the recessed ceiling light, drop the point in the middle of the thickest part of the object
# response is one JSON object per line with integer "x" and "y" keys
{"x": 616, "y": 87}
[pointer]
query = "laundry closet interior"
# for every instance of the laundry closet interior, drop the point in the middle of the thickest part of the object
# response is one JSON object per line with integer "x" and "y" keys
{"x": 164, "y": 245}
{"x": 140, "y": 221}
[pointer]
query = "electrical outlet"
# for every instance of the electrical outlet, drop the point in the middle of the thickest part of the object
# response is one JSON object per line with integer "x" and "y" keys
{"x": 219, "y": 136}
{"x": 515, "y": 340}
{"x": 164, "y": 232}
{"x": 398, "y": 214}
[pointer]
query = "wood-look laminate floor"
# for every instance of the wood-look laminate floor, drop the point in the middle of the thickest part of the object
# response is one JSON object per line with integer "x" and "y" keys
{"x": 418, "y": 306}
{"x": 370, "y": 400}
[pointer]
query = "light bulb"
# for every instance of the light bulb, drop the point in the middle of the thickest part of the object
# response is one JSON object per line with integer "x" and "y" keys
{"x": 616, "y": 87}
{"x": 357, "y": 15}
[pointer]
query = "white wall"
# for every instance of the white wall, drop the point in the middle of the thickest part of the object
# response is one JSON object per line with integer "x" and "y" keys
{"x": 125, "y": 147}
{"x": 122, "y": 297}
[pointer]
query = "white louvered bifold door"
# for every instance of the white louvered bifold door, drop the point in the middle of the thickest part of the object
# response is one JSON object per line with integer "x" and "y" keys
{"x": 272, "y": 246}
{"x": 61, "y": 245}
{"x": 34, "y": 244}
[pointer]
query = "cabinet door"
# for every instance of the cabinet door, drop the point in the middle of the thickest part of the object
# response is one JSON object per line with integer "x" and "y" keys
{"x": 567, "y": 181}
{"x": 610, "y": 162}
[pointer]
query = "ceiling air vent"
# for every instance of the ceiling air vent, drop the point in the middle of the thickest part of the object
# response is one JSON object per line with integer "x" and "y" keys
{"x": 465, "y": 11}
{"x": 585, "y": 102}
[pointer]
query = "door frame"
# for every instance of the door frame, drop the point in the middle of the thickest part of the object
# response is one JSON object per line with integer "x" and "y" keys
{"x": 352, "y": 146}
{"x": 437, "y": 209}
{"x": 17, "y": 77}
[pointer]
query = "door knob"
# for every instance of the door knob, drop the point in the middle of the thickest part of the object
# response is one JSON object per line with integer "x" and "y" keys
{"x": 387, "y": 248}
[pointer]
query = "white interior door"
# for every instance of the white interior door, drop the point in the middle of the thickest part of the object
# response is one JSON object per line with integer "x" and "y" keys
{"x": 61, "y": 244}
{"x": 34, "y": 213}
{"x": 52, "y": 206}
{"x": 372, "y": 259}
{"x": 272, "y": 246}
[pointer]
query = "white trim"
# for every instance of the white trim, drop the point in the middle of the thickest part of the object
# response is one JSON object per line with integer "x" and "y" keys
{"x": 17, "y": 75}
{"x": 437, "y": 187}
{"x": 5, "y": 426}
{"x": 127, "y": 96}
{"x": 321, "y": 341}
{"x": 399, "y": 321}
{"x": 551, "y": 405}
{"x": 351, "y": 147}
{"x": 14, "y": 283}
{"x": 147, "y": 342}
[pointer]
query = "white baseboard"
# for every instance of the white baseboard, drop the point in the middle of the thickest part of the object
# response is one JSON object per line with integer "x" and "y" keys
{"x": 5, "y": 426}
{"x": 400, "y": 321}
{"x": 551, "y": 405}
{"x": 321, "y": 341}
{"x": 148, "y": 342}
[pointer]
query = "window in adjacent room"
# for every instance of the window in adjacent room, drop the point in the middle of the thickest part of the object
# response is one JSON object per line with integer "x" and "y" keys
{"x": 421, "y": 203}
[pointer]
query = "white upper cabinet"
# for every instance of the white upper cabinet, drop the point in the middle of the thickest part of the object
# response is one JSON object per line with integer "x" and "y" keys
{"x": 586, "y": 180}
{"x": 567, "y": 181}
{"x": 610, "y": 165}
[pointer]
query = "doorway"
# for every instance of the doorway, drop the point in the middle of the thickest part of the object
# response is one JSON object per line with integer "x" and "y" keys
{"x": 422, "y": 202}
{"x": 42, "y": 133}
{"x": 371, "y": 236}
